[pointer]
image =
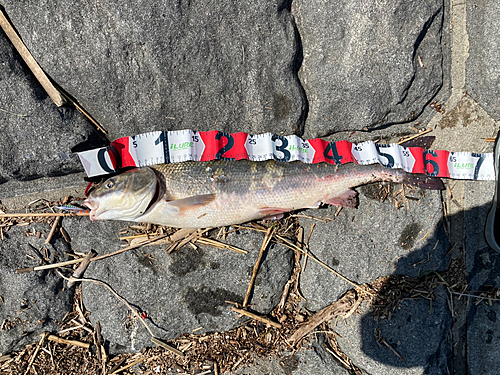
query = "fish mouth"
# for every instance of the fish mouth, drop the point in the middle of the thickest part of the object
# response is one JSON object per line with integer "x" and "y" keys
{"x": 93, "y": 205}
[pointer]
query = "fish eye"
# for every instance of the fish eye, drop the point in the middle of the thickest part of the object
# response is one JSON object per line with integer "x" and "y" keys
{"x": 109, "y": 184}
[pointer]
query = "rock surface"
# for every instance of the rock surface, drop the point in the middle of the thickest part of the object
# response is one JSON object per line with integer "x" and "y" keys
{"x": 30, "y": 302}
{"x": 235, "y": 67}
{"x": 483, "y": 339}
{"x": 417, "y": 332}
{"x": 171, "y": 65}
{"x": 368, "y": 64}
{"x": 180, "y": 292}
{"x": 313, "y": 359}
{"x": 373, "y": 240}
{"x": 37, "y": 136}
{"x": 483, "y": 64}
{"x": 482, "y": 265}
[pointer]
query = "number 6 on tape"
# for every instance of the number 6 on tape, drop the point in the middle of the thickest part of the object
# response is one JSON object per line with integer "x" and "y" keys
{"x": 176, "y": 146}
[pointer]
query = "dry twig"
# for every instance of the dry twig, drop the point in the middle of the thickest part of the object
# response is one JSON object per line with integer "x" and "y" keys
{"x": 60, "y": 340}
{"x": 166, "y": 346}
{"x": 82, "y": 267}
{"x": 33, "y": 356}
{"x": 256, "y": 317}
{"x": 414, "y": 136}
{"x": 343, "y": 306}
{"x": 265, "y": 243}
{"x": 127, "y": 366}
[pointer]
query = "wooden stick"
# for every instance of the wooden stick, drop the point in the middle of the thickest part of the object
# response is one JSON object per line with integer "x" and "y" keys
{"x": 82, "y": 267}
{"x": 256, "y": 317}
{"x": 342, "y": 306}
{"x": 99, "y": 342}
{"x": 166, "y": 346}
{"x": 30, "y": 61}
{"x": 49, "y": 266}
{"x": 118, "y": 364}
{"x": 127, "y": 248}
{"x": 56, "y": 224}
{"x": 414, "y": 136}
{"x": 33, "y": 356}
{"x": 177, "y": 236}
{"x": 296, "y": 248}
{"x": 127, "y": 366}
{"x": 60, "y": 340}
{"x": 137, "y": 236}
{"x": 267, "y": 238}
{"x": 383, "y": 341}
{"x": 44, "y": 214}
{"x": 65, "y": 235}
{"x": 82, "y": 110}
{"x": 5, "y": 357}
{"x": 74, "y": 261}
{"x": 220, "y": 245}
{"x": 123, "y": 300}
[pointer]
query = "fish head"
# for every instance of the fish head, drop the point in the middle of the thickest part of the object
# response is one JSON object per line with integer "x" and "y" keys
{"x": 126, "y": 196}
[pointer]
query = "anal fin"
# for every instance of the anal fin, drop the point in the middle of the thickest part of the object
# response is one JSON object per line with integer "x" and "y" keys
{"x": 346, "y": 199}
{"x": 272, "y": 213}
{"x": 273, "y": 217}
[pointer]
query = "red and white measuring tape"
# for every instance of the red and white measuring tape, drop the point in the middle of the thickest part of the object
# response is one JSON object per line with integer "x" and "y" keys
{"x": 176, "y": 146}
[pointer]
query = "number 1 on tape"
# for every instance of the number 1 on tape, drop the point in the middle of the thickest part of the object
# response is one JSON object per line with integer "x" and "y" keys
{"x": 176, "y": 146}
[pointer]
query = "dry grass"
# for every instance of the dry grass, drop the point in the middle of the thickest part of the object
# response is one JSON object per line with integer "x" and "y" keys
{"x": 286, "y": 329}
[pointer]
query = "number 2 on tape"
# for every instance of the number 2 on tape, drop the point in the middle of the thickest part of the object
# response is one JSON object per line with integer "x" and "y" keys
{"x": 227, "y": 147}
{"x": 175, "y": 146}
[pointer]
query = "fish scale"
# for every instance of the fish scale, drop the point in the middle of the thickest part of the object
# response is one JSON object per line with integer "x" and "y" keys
{"x": 223, "y": 192}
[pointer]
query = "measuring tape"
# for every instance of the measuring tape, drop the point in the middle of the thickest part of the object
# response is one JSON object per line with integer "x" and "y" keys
{"x": 176, "y": 146}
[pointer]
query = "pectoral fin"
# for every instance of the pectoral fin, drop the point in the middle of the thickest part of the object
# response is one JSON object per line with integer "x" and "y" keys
{"x": 193, "y": 202}
{"x": 347, "y": 199}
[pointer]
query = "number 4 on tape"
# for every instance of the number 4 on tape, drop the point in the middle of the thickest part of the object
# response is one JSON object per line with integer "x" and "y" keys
{"x": 177, "y": 146}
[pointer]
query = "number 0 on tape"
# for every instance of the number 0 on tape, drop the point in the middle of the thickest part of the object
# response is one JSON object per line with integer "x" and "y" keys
{"x": 176, "y": 146}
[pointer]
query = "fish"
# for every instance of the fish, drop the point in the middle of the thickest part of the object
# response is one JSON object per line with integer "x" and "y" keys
{"x": 211, "y": 194}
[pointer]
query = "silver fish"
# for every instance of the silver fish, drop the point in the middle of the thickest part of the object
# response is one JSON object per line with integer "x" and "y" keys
{"x": 219, "y": 193}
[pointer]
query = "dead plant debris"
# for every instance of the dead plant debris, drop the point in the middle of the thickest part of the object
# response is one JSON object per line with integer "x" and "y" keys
{"x": 78, "y": 346}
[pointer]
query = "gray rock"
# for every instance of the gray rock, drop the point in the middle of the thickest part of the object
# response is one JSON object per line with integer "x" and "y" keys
{"x": 32, "y": 302}
{"x": 37, "y": 137}
{"x": 482, "y": 78}
{"x": 171, "y": 65}
{"x": 373, "y": 240}
{"x": 482, "y": 265}
{"x": 179, "y": 292}
{"x": 368, "y": 64}
{"x": 483, "y": 339}
{"x": 311, "y": 359}
{"x": 417, "y": 331}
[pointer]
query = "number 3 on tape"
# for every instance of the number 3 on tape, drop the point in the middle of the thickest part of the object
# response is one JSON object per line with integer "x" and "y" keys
{"x": 176, "y": 146}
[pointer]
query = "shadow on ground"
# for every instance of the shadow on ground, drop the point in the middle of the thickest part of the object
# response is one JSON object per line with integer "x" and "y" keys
{"x": 420, "y": 331}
